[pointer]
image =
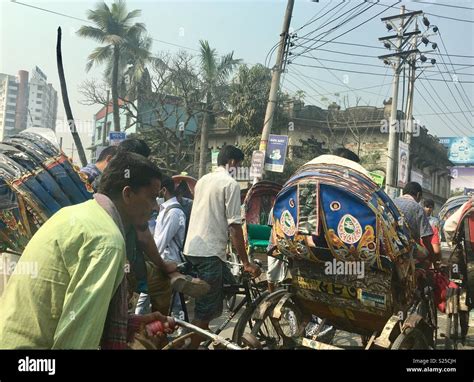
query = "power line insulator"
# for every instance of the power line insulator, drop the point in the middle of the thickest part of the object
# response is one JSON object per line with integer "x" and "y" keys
{"x": 425, "y": 40}
{"x": 389, "y": 26}
{"x": 426, "y": 22}
{"x": 433, "y": 61}
{"x": 386, "y": 44}
{"x": 423, "y": 58}
{"x": 434, "y": 45}
{"x": 435, "y": 29}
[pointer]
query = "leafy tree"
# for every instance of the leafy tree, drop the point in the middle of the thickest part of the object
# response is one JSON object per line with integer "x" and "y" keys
{"x": 214, "y": 73}
{"x": 114, "y": 28}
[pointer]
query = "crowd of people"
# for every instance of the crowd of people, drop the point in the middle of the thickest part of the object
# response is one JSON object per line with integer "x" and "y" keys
{"x": 95, "y": 256}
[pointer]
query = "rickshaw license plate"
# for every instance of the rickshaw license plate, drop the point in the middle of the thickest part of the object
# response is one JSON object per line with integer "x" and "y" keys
{"x": 325, "y": 287}
{"x": 371, "y": 299}
{"x": 376, "y": 300}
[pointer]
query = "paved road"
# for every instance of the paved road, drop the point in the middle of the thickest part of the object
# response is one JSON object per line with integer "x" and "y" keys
{"x": 350, "y": 340}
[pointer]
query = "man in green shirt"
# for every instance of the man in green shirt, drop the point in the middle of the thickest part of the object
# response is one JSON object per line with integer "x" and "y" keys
{"x": 78, "y": 298}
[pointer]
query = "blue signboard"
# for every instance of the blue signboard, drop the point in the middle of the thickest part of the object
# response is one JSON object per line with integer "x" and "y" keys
{"x": 115, "y": 137}
{"x": 460, "y": 149}
{"x": 276, "y": 153}
{"x": 468, "y": 191}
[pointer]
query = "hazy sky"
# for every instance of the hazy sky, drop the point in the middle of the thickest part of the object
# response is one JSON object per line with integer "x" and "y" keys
{"x": 250, "y": 29}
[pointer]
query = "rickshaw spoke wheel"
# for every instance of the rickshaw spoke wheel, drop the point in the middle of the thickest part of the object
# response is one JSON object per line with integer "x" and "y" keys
{"x": 279, "y": 333}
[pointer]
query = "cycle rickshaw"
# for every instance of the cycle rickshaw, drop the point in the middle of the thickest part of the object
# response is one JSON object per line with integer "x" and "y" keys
{"x": 255, "y": 212}
{"x": 460, "y": 290}
{"x": 36, "y": 180}
{"x": 351, "y": 259}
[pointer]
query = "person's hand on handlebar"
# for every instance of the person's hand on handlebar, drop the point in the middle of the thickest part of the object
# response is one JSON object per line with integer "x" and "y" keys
{"x": 157, "y": 324}
{"x": 253, "y": 269}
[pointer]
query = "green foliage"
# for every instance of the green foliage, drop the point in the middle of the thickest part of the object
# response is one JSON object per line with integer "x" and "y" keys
{"x": 248, "y": 99}
{"x": 114, "y": 27}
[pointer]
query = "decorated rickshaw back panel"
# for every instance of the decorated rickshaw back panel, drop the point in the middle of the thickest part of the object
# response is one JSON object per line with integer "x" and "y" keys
{"x": 347, "y": 243}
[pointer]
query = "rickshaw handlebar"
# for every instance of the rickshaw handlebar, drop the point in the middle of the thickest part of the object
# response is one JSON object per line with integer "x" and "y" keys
{"x": 214, "y": 337}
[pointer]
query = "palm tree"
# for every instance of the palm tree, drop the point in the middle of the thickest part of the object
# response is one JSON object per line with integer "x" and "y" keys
{"x": 134, "y": 57}
{"x": 114, "y": 27}
{"x": 214, "y": 75}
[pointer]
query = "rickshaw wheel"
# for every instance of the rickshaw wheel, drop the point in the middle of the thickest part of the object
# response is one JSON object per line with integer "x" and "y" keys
{"x": 246, "y": 320}
{"x": 412, "y": 338}
{"x": 279, "y": 333}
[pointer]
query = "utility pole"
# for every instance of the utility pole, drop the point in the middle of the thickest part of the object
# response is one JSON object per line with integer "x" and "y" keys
{"x": 275, "y": 84}
{"x": 411, "y": 93}
{"x": 104, "y": 132}
{"x": 400, "y": 58}
{"x": 392, "y": 156}
{"x": 72, "y": 151}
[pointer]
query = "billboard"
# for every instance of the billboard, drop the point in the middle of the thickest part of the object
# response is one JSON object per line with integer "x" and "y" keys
{"x": 276, "y": 153}
{"x": 258, "y": 159}
{"x": 403, "y": 158}
{"x": 462, "y": 177}
{"x": 460, "y": 149}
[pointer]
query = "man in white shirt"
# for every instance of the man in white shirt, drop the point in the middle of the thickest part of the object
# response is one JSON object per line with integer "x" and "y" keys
{"x": 169, "y": 235}
{"x": 215, "y": 213}
{"x": 170, "y": 224}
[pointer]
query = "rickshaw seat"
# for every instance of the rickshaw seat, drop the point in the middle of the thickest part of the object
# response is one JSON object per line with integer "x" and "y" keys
{"x": 258, "y": 235}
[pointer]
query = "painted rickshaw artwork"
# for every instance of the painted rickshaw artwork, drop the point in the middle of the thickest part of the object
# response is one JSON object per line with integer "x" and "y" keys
{"x": 351, "y": 258}
{"x": 36, "y": 180}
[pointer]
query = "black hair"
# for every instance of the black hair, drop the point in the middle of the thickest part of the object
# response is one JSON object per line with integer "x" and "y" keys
{"x": 183, "y": 190}
{"x": 137, "y": 146}
{"x": 127, "y": 169}
{"x": 346, "y": 153}
{"x": 109, "y": 150}
{"x": 168, "y": 183}
{"x": 227, "y": 153}
{"x": 413, "y": 189}
{"x": 428, "y": 203}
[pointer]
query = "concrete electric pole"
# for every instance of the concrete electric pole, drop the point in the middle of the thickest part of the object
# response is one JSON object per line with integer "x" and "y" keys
{"x": 275, "y": 84}
{"x": 398, "y": 41}
{"x": 404, "y": 54}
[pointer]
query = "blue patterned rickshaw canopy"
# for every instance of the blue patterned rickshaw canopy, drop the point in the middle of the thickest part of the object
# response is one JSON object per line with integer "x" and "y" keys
{"x": 36, "y": 180}
{"x": 327, "y": 211}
